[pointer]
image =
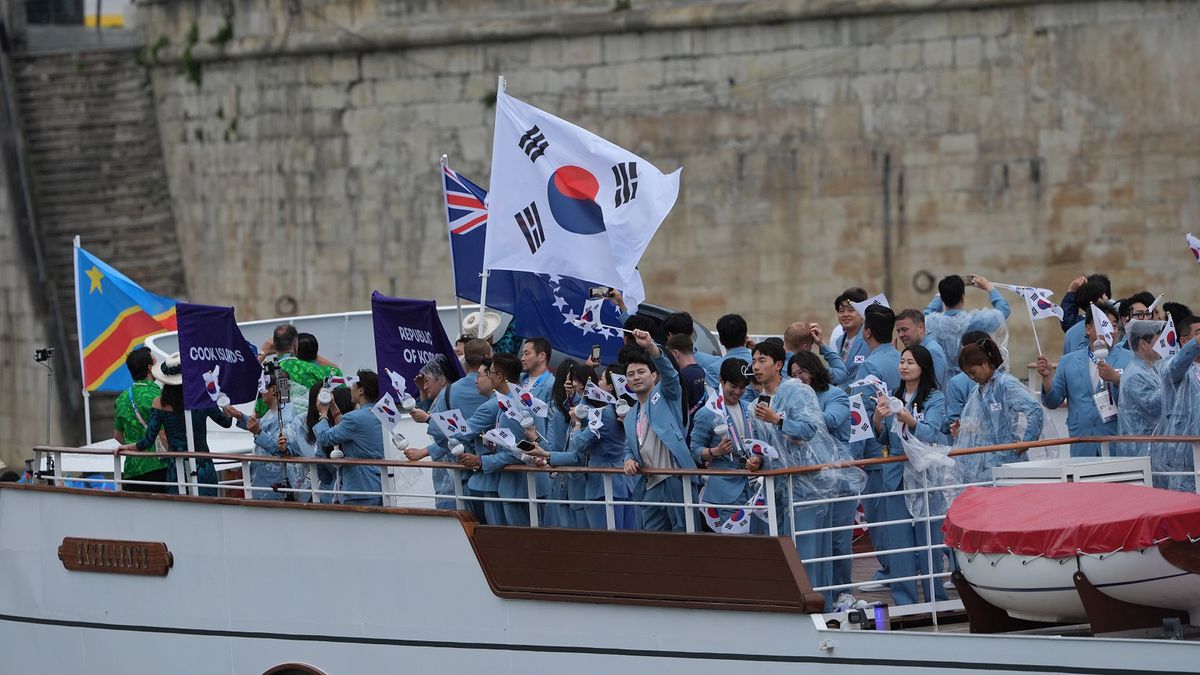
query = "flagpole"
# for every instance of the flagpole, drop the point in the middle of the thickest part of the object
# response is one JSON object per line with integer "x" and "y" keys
{"x": 1033, "y": 324}
{"x": 87, "y": 397}
{"x": 450, "y": 241}
{"x": 483, "y": 284}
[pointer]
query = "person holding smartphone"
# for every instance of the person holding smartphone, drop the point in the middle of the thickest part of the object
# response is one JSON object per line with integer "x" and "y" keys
{"x": 947, "y": 321}
{"x": 727, "y": 450}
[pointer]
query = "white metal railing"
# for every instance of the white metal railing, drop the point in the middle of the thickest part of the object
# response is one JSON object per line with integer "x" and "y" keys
{"x": 187, "y": 483}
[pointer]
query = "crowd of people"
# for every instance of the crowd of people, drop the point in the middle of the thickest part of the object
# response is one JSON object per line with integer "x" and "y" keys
{"x": 884, "y": 383}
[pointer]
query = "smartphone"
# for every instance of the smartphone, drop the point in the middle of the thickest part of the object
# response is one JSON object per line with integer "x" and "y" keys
{"x": 599, "y": 292}
{"x": 968, "y": 279}
{"x": 524, "y": 445}
{"x": 763, "y": 399}
{"x": 595, "y": 353}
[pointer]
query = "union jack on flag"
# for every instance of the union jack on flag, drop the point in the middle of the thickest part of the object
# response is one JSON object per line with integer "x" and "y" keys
{"x": 465, "y": 210}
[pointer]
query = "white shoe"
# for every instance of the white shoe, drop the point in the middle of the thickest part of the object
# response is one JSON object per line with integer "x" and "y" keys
{"x": 948, "y": 585}
{"x": 872, "y": 587}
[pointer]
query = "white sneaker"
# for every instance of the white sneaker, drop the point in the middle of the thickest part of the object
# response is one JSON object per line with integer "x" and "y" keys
{"x": 872, "y": 587}
{"x": 948, "y": 585}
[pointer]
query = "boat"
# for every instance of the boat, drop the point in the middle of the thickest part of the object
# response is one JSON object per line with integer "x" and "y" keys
{"x": 1037, "y": 551}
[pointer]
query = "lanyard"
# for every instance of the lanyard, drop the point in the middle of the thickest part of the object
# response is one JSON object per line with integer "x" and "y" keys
{"x": 737, "y": 441}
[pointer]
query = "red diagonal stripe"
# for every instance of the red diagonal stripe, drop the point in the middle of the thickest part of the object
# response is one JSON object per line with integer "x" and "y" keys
{"x": 114, "y": 347}
{"x": 463, "y": 228}
{"x": 459, "y": 200}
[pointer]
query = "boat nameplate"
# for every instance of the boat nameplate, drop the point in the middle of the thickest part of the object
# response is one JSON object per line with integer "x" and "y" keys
{"x": 145, "y": 558}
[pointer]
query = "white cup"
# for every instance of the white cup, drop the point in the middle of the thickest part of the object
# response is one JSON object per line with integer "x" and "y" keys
{"x": 622, "y": 409}
{"x": 222, "y": 400}
{"x": 581, "y": 411}
{"x": 408, "y": 403}
{"x": 895, "y": 405}
{"x": 527, "y": 422}
{"x": 721, "y": 430}
{"x": 457, "y": 449}
{"x": 336, "y": 453}
{"x": 324, "y": 397}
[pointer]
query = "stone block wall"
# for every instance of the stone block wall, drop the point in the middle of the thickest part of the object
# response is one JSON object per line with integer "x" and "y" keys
{"x": 824, "y": 144}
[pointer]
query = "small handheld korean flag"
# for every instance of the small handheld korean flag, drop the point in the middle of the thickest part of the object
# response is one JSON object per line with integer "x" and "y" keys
{"x": 1039, "y": 304}
{"x": 860, "y": 424}
{"x": 1193, "y": 243}
{"x": 621, "y": 386}
{"x": 1104, "y": 328}
{"x": 594, "y": 392}
{"x": 760, "y": 500}
{"x": 535, "y": 406}
{"x": 501, "y": 437}
{"x": 716, "y": 403}
{"x": 757, "y": 447}
{"x": 590, "y": 316}
{"x": 565, "y": 201}
{"x": 387, "y": 411}
{"x": 1167, "y": 344}
{"x": 861, "y": 307}
{"x": 870, "y": 381}
{"x": 595, "y": 419}
{"x": 451, "y": 422}
{"x": 510, "y": 408}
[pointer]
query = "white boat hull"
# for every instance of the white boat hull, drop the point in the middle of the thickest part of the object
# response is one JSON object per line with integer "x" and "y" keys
{"x": 1043, "y": 589}
{"x": 355, "y": 592}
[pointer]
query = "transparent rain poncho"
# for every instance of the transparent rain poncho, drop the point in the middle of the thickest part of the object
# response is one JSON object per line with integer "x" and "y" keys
{"x": 1000, "y": 411}
{"x": 804, "y": 441}
{"x": 1140, "y": 407}
{"x": 929, "y": 466}
{"x": 1181, "y": 417}
{"x": 948, "y": 330}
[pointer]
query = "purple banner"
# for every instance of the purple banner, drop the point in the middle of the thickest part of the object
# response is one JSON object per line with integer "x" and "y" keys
{"x": 216, "y": 359}
{"x": 408, "y": 334}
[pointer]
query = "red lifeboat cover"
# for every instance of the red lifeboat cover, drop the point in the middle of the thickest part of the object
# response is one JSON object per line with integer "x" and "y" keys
{"x": 1056, "y": 520}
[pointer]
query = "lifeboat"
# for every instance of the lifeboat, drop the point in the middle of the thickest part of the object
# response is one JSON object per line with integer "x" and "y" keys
{"x": 1041, "y": 552}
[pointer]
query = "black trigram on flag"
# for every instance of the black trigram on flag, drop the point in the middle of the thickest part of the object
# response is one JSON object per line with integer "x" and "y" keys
{"x": 530, "y": 222}
{"x": 625, "y": 174}
{"x": 534, "y": 143}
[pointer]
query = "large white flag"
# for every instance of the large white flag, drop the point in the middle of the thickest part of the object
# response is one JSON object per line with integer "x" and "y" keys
{"x": 1039, "y": 303}
{"x": 1193, "y": 243}
{"x": 565, "y": 201}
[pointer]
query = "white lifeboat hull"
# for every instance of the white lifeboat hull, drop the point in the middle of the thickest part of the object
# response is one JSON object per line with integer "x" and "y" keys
{"x": 1042, "y": 589}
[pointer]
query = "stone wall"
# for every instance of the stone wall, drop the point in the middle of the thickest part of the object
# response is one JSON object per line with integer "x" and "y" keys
{"x": 824, "y": 144}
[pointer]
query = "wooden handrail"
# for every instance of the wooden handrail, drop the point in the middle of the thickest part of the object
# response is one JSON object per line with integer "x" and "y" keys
{"x": 861, "y": 463}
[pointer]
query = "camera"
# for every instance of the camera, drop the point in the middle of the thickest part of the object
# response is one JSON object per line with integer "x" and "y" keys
{"x": 44, "y": 354}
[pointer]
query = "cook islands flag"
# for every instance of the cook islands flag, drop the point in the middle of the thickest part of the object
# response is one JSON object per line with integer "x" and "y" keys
{"x": 115, "y": 316}
{"x": 565, "y": 201}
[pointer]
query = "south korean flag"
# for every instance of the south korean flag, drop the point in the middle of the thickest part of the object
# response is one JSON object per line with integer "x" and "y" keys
{"x": 565, "y": 201}
{"x": 387, "y": 411}
{"x": 450, "y": 422}
{"x": 860, "y": 423}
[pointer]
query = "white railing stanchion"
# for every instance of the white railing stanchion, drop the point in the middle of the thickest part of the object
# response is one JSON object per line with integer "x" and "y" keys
{"x": 531, "y": 495}
{"x": 37, "y": 465}
{"x": 118, "y": 473}
{"x": 932, "y": 591}
{"x": 610, "y": 516}
{"x": 772, "y": 521}
{"x": 1105, "y": 450}
{"x": 1196, "y": 464}
{"x": 459, "y": 503}
{"x": 791, "y": 509}
{"x": 56, "y": 456}
{"x": 247, "y": 483}
{"x": 689, "y": 517}
{"x": 180, "y": 475}
{"x": 314, "y": 484}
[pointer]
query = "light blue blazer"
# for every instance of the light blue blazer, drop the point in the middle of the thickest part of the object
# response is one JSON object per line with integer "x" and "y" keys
{"x": 1073, "y": 384}
{"x": 666, "y": 419}
{"x": 361, "y": 436}
{"x": 884, "y": 363}
{"x": 720, "y": 489}
{"x": 930, "y": 419}
{"x": 852, "y": 364}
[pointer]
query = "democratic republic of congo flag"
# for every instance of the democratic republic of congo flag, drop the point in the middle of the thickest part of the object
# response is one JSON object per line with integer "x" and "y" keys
{"x": 115, "y": 315}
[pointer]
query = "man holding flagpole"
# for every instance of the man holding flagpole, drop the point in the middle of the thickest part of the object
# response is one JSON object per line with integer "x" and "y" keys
{"x": 565, "y": 201}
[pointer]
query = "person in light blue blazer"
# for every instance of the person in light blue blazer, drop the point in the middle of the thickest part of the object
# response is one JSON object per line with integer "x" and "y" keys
{"x": 732, "y": 332}
{"x": 835, "y": 410}
{"x": 594, "y": 442}
{"x": 360, "y": 434}
{"x": 1086, "y": 383}
{"x": 920, "y": 418}
{"x": 535, "y": 367}
{"x": 910, "y": 328}
{"x": 570, "y": 381}
{"x": 266, "y": 478}
{"x": 947, "y": 321}
{"x": 728, "y": 450}
{"x": 497, "y": 375}
{"x": 1141, "y": 404}
{"x": 462, "y": 395}
{"x": 1000, "y": 410}
{"x": 655, "y": 437}
{"x": 849, "y": 346}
